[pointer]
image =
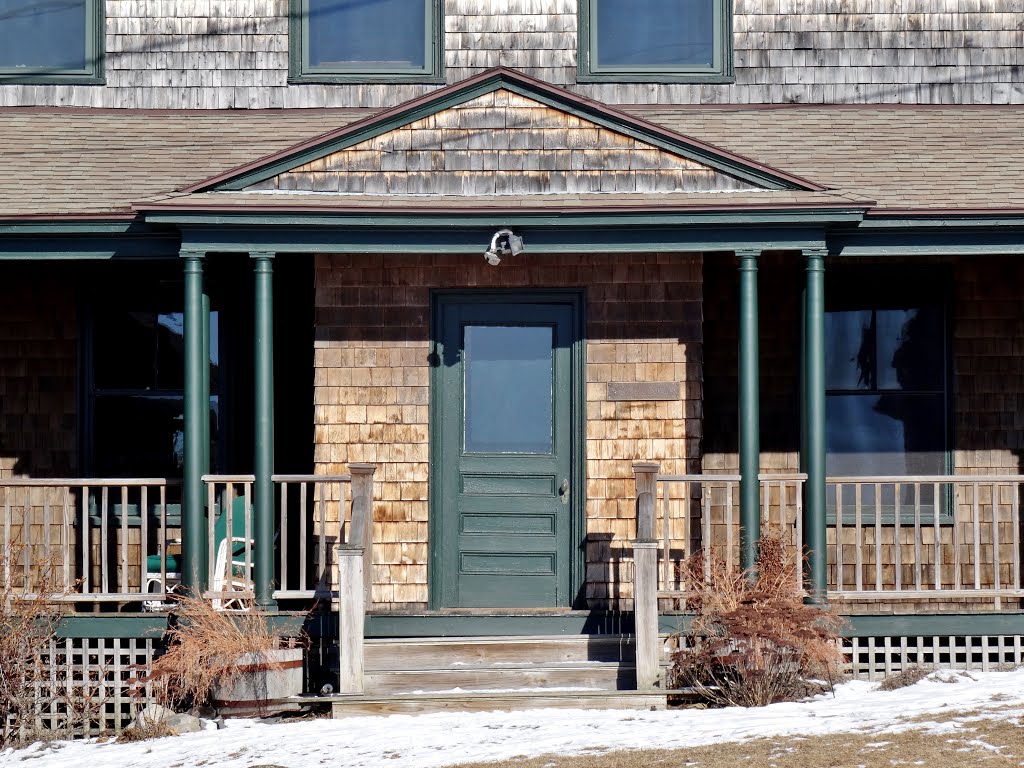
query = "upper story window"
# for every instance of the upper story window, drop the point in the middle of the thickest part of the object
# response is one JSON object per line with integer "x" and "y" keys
{"x": 655, "y": 40}
{"x": 52, "y": 41}
{"x": 366, "y": 41}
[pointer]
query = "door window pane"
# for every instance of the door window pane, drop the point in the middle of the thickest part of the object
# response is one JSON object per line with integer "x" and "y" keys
{"x": 655, "y": 33}
{"x": 386, "y": 35}
{"x": 508, "y": 389}
{"x": 38, "y": 35}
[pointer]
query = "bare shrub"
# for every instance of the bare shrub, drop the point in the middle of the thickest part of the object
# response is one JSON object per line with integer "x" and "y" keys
{"x": 904, "y": 678}
{"x": 753, "y": 640}
{"x": 204, "y": 646}
{"x": 28, "y": 622}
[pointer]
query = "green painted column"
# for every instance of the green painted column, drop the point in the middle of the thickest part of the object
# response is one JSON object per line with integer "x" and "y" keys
{"x": 749, "y": 411}
{"x": 813, "y": 420}
{"x": 263, "y": 431}
{"x": 196, "y": 427}
{"x": 206, "y": 376}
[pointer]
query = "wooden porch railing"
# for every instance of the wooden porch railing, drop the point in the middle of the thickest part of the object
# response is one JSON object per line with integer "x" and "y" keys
{"x": 953, "y": 537}
{"x": 87, "y": 540}
{"x": 948, "y": 537}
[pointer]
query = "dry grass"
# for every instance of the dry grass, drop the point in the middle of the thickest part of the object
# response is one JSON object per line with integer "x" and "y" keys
{"x": 993, "y": 743}
{"x": 904, "y": 678}
{"x": 753, "y": 641}
{"x": 203, "y": 647}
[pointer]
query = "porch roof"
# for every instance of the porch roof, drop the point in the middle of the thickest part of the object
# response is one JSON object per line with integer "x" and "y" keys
{"x": 102, "y": 163}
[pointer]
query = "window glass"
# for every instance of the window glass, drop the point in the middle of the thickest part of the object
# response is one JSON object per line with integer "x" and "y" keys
{"x": 56, "y": 38}
{"x": 655, "y": 33}
{"x": 385, "y": 35}
{"x": 138, "y": 392}
{"x": 886, "y": 383}
{"x": 508, "y": 389}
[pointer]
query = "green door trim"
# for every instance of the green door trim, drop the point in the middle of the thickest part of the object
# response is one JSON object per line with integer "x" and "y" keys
{"x": 575, "y": 301}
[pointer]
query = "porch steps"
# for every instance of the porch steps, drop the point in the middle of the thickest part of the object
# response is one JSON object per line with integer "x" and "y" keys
{"x": 469, "y": 674}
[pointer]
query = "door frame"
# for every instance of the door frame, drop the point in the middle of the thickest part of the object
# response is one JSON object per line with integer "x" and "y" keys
{"x": 574, "y": 298}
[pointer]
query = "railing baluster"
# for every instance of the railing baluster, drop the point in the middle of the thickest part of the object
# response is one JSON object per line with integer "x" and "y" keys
{"x": 143, "y": 537}
{"x": 124, "y": 539}
{"x": 8, "y": 549}
{"x": 917, "y": 537}
{"x": 163, "y": 544}
{"x": 936, "y": 512}
{"x": 799, "y": 527}
{"x": 303, "y": 513}
{"x": 878, "y": 536}
{"x": 977, "y": 537}
{"x": 995, "y": 539}
{"x": 898, "y": 544}
{"x": 211, "y": 521}
{"x": 321, "y": 556}
{"x": 665, "y": 535}
{"x": 104, "y": 554}
{"x": 706, "y": 525}
{"x": 728, "y": 530}
{"x": 66, "y": 538}
{"x": 86, "y": 540}
{"x": 839, "y": 537}
{"x": 284, "y": 535}
{"x": 858, "y": 536}
{"x": 957, "y": 557}
{"x": 1015, "y": 526}
{"x": 248, "y": 574}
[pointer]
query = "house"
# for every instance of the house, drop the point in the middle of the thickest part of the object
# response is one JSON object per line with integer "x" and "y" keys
{"x": 468, "y": 284}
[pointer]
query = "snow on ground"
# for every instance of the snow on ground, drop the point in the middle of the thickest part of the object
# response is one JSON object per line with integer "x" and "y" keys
{"x": 430, "y": 741}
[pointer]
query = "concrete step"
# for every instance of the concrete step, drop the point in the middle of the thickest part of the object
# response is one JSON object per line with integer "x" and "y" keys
{"x": 452, "y": 652}
{"x": 509, "y": 701}
{"x": 606, "y": 676}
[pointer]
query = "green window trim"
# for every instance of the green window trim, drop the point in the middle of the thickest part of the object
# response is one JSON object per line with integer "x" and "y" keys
{"x": 300, "y": 70}
{"x": 91, "y": 74}
{"x": 589, "y": 70}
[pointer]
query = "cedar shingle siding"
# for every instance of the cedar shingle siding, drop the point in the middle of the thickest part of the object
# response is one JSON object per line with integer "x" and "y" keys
{"x": 218, "y": 54}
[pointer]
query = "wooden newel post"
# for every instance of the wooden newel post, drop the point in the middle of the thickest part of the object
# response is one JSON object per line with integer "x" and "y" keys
{"x": 645, "y": 578}
{"x": 351, "y": 615}
{"x": 360, "y": 532}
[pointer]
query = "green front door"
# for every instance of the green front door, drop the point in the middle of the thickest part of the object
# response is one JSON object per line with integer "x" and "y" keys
{"x": 505, "y": 508}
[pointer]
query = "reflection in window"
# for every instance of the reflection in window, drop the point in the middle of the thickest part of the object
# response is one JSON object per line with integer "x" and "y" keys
{"x": 138, "y": 394}
{"x": 508, "y": 389}
{"x": 886, "y": 394}
{"x": 367, "y": 37}
{"x": 646, "y": 39}
{"x": 655, "y": 33}
{"x": 56, "y": 37}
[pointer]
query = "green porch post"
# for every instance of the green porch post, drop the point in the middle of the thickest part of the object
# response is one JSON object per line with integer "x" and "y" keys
{"x": 813, "y": 420}
{"x": 196, "y": 427}
{"x": 263, "y": 432}
{"x": 749, "y": 412}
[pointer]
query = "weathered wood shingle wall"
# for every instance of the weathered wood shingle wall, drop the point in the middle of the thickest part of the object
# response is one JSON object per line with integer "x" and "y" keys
{"x": 501, "y": 143}
{"x": 372, "y": 377}
{"x": 217, "y": 54}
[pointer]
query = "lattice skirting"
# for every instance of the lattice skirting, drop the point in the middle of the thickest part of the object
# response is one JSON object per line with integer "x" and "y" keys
{"x": 89, "y": 686}
{"x": 873, "y": 658}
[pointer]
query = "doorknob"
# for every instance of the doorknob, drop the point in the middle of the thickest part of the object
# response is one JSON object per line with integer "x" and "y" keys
{"x": 563, "y": 491}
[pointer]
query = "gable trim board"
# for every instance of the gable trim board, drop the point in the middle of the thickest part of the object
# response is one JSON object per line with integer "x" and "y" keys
{"x": 731, "y": 164}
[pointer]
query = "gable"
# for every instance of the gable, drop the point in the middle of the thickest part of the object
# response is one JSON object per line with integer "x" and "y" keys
{"x": 501, "y": 143}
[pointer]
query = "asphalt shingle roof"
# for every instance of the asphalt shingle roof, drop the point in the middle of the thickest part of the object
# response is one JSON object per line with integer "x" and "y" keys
{"x": 78, "y": 162}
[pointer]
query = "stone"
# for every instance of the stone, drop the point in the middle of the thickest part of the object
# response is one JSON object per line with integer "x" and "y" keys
{"x": 175, "y": 721}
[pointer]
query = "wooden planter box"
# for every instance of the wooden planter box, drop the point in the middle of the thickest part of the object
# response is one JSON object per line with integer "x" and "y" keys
{"x": 265, "y": 680}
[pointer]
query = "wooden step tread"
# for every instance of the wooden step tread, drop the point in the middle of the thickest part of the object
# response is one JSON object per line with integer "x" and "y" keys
{"x": 484, "y": 701}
